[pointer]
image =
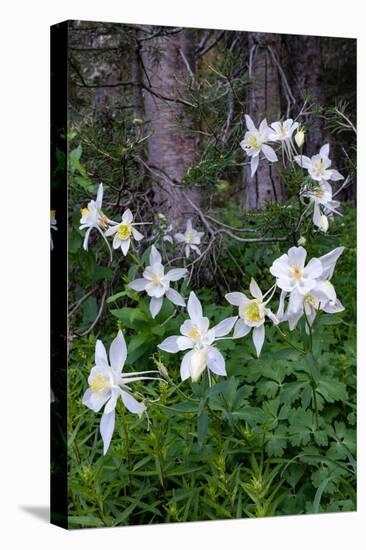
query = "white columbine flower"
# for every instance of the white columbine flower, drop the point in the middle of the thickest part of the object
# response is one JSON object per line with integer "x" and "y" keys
{"x": 108, "y": 382}
{"x": 157, "y": 283}
{"x": 124, "y": 231}
{"x": 191, "y": 238}
{"x": 319, "y": 165}
{"x": 292, "y": 274}
{"x": 199, "y": 339}
{"x": 53, "y": 224}
{"x": 322, "y": 198}
{"x": 282, "y": 132}
{"x": 252, "y": 314}
{"x": 93, "y": 217}
{"x": 255, "y": 142}
{"x": 322, "y": 297}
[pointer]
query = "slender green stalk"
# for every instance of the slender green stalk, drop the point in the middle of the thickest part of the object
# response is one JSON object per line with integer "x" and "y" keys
{"x": 284, "y": 336}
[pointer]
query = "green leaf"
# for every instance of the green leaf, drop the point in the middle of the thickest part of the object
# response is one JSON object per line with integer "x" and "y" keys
{"x": 130, "y": 317}
{"x": 332, "y": 390}
{"x": 202, "y": 428}
{"x": 319, "y": 493}
{"x": 291, "y": 391}
{"x": 330, "y": 320}
{"x": 85, "y": 521}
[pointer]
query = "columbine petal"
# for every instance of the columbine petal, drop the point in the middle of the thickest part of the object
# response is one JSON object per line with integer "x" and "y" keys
{"x": 185, "y": 371}
{"x": 317, "y": 216}
{"x": 269, "y": 153}
{"x": 131, "y": 403}
{"x": 176, "y": 274}
{"x": 179, "y": 237}
{"x": 254, "y": 164}
{"x": 249, "y": 123}
{"x": 99, "y": 200}
{"x": 296, "y": 301}
{"x": 155, "y": 306}
{"x": 335, "y": 307}
{"x": 329, "y": 261}
{"x": 95, "y": 401}
{"x": 127, "y": 216}
{"x": 235, "y": 298}
{"x": 241, "y": 329}
{"x": 125, "y": 245}
{"x": 297, "y": 256}
{"x": 101, "y": 358}
{"x": 138, "y": 284}
{"x": 86, "y": 238}
{"x": 107, "y": 423}
{"x": 155, "y": 290}
{"x": 335, "y": 175}
{"x": 184, "y": 342}
{"x": 155, "y": 257}
{"x": 136, "y": 234}
{"x": 224, "y": 327}
{"x": 175, "y": 297}
{"x": 111, "y": 230}
{"x": 216, "y": 362}
{"x": 303, "y": 161}
{"x": 324, "y": 150}
{"x": 255, "y": 290}
{"x": 170, "y": 344}
{"x": 258, "y": 338}
{"x": 118, "y": 353}
{"x": 194, "y": 308}
{"x": 314, "y": 269}
{"x": 281, "y": 306}
{"x": 280, "y": 267}
{"x": 111, "y": 404}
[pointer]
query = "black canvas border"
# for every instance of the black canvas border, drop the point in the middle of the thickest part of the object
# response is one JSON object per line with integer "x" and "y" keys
{"x": 59, "y": 271}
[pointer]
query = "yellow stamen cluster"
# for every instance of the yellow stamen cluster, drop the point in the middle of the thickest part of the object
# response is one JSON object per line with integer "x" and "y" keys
{"x": 282, "y": 131}
{"x": 319, "y": 165}
{"x": 252, "y": 142}
{"x": 99, "y": 383}
{"x": 124, "y": 231}
{"x": 52, "y": 213}
{"x": 155, "y": 279}
{"x": 194, "y": 333}
{"x": 311, "y": 300}
{"x": 252, "y": 312}
{"x": 296, "y": 272}
{"x": 84, "y": 212}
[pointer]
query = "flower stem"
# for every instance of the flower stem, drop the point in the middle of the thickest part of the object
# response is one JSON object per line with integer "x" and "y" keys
{"x": 284, "y": 336}
{"x": 129, "y": 462}
{"x": 313, "y": 385}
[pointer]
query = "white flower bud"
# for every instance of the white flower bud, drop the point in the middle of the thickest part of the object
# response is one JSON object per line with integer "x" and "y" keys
{"x": 300, "y": 137}
{"x": 324, "y": 223}
{"x": 301, "y": 241}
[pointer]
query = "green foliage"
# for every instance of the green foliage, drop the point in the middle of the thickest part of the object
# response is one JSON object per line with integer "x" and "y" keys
{"x": 254, "y": 444}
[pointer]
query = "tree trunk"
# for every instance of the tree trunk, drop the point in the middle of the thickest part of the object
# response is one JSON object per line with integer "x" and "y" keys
{"x": 264, "y": 101}
{"x": 172, "y": 148}
{"x": 306, "y": 74}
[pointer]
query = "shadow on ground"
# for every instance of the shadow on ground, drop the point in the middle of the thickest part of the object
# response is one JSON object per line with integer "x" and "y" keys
{"x": 40, "y": 512}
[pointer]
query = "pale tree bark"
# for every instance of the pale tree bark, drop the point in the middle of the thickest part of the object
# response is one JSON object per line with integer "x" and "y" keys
{"x": 168, "y": 65}
{"x": 264, "y": 101}
{"x": 306, "y": 79}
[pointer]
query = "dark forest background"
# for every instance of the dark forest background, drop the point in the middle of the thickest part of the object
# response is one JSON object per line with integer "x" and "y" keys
{"x": 159, "y": 111}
